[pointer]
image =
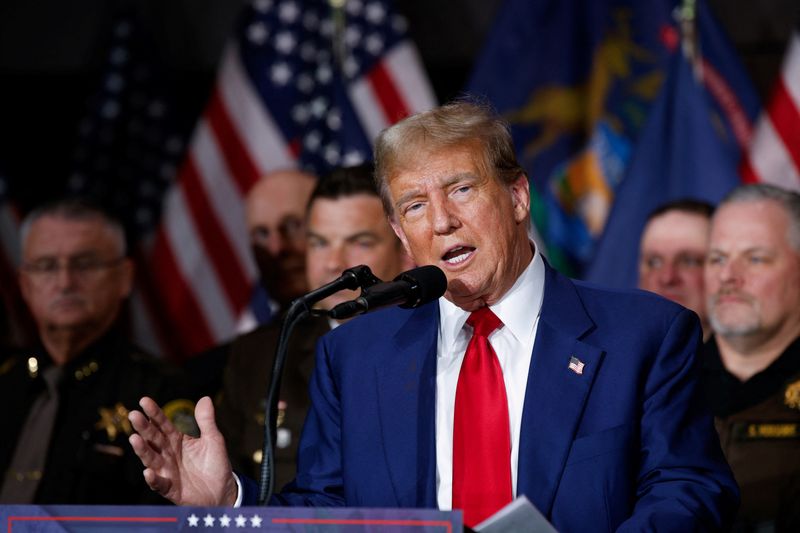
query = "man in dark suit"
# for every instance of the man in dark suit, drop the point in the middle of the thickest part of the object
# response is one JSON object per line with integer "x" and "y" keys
{"x": 65, "y": 400}
{"x": 346, "y": 227}
{"x": 590, "y": 395}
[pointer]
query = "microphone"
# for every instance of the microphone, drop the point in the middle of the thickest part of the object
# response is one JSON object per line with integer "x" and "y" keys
{"x": 408, "y": 290}
{"x": 353, "y": 278}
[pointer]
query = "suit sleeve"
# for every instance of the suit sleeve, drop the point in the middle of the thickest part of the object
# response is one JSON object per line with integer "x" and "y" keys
{"x": 319, "y": 480}
{"x": 684, "y": 483}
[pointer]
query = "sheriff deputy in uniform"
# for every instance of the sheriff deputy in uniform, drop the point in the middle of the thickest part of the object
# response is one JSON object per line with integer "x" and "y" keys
{"x": 752, "y": 365}
{"x": 65, "y": 402}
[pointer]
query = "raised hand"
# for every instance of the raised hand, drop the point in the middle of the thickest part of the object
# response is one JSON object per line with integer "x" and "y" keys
{"x": 185, "y": 470}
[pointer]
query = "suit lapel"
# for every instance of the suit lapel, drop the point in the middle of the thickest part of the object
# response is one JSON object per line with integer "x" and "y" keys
{"x": 555, "y": 394}
{"x": 406, "y": 378}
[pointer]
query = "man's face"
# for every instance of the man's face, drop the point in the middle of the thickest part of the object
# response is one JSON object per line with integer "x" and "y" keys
{"x": 73, "y": 275}
{"x": 275, "y": 212}
{"x": 752, "y": 273}
{"x": 672, "y": 257}
{"x": 347, "y": 232}
{"x": 450, "y": 214}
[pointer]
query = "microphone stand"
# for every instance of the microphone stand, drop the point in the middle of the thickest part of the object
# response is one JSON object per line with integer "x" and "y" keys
{"x": 352, "y": 278}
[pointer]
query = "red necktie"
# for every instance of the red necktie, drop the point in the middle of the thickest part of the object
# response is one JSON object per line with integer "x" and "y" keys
{"x": 481, "y": 434}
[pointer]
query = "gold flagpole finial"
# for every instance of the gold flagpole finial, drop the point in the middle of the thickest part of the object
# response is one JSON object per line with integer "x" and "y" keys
{"x": 690, "y": 44}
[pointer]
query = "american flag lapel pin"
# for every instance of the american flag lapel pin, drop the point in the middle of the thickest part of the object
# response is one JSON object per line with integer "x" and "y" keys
{"x": 576, "y": 365}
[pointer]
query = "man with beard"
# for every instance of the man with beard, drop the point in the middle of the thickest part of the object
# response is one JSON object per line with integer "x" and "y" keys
{"x": 752, "y": 365}
{"x": 65, "y": 402}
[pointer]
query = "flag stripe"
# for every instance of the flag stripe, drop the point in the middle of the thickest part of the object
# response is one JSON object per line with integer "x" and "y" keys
{"x": 747, "y": 172}
{"x": 151, "y": 324}
{"x": 774, "y": 154}
{"x": 264, "y": 141}
{"x": 783, "y": 113}
{"x": 791, "y": 68}
{"x": 193, "y": 266}
{"x": 391, "y": 101}
{"x": 242, "y": 169}
{"x": 226, "y": 199}
{"x": 405, "y": 68}
{"x": 769, "y": 159}
{"x": 368, "y": 107}
{"x": 190, "y": 324}
{"x": 213, "y": 238}
{"x": 722, "y": 92}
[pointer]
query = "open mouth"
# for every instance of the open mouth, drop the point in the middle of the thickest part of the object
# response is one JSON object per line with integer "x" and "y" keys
{"x": 458, "y": 255}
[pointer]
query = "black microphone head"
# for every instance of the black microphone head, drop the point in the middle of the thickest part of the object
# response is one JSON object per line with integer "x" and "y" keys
{"x": 427, "y": 284}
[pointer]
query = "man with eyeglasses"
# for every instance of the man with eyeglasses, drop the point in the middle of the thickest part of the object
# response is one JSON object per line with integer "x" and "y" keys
{"x": 65, "y": 402}
{"x": 274, "y": 214}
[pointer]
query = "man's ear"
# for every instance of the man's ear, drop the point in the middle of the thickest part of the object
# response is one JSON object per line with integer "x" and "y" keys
{"x": 520, "y": 197}
{"x": 398, "y": 230}
{"x": 127, "y": 271}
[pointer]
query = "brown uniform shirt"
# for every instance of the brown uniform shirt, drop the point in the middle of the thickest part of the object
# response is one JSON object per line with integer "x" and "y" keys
{"x": 241, "y": 405}
{"x": 758, "y": 422}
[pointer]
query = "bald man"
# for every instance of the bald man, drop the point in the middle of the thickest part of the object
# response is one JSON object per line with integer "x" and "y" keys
{"x": 275, "y": 215}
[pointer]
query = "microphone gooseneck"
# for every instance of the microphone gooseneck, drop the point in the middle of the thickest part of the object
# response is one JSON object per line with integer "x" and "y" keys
{"x": 352, "y": 278}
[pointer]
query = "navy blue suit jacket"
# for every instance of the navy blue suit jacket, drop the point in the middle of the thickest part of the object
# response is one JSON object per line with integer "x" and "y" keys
{"x": 627, "y": 445}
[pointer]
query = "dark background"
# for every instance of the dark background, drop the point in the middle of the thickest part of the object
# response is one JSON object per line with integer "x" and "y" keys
{"x": 52, "y": 54}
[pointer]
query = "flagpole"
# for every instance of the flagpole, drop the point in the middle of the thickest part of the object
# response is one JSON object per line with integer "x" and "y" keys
{"x": 690, "y": 42}
{"x": 338, "y": 43}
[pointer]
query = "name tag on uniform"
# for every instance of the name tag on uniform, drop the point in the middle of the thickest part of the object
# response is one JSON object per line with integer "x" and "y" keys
{"x": 744, "y": 431}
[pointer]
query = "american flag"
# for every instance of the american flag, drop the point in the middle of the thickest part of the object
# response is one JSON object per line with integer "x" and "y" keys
{"x": 19, "y": 329}
{"x": 306, "y": 84}
{"x": 774, "y": 154}
{"x": 576, "y": 365}
{"x": 129, "y": 146}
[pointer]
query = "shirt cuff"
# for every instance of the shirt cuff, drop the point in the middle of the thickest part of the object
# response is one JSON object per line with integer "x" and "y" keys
{"x": 239, "y": 493}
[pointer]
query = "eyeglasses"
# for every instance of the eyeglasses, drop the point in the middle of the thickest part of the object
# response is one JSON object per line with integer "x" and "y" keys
{"x": 46, "y": 270}
{"x": 291, "y": 228}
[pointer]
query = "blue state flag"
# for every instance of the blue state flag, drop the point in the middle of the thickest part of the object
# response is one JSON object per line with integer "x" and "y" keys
{"x": 576, "y": 80}
{"x": 690, "y": 147}
{"x": 679, "y": 155}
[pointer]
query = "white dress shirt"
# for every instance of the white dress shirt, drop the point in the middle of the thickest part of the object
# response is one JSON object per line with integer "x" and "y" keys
{"x": 519, "y": 310}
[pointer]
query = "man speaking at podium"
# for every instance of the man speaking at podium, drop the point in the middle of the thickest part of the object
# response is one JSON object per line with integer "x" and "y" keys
{"x": 518, "y": 382}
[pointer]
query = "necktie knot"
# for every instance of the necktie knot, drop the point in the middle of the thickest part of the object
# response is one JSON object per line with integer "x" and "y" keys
{"x": 483, "y": 322}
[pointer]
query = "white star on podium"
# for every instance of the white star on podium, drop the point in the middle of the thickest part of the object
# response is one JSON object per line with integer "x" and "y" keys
{"x": 193, "y": 519}
{"x": 241, "y": 521}
{"x": 224, "y": 521}
{"x": 208, "y": 520}
{"x": 255, "y": 521}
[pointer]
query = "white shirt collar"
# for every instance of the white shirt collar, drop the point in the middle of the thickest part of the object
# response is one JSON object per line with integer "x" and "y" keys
{"x": 517, "y": 309}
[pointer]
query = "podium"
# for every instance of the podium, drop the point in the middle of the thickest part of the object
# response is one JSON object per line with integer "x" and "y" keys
{"x": 156, "y": 519}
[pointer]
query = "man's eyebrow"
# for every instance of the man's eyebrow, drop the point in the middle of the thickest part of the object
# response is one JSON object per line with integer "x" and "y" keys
{"x": 361, "y": 234}
{"x": 405, "y": 197}
{"x": 311, "y": 234}
{"x": 448, "y": 181}
{"x": 461, "y": 176}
